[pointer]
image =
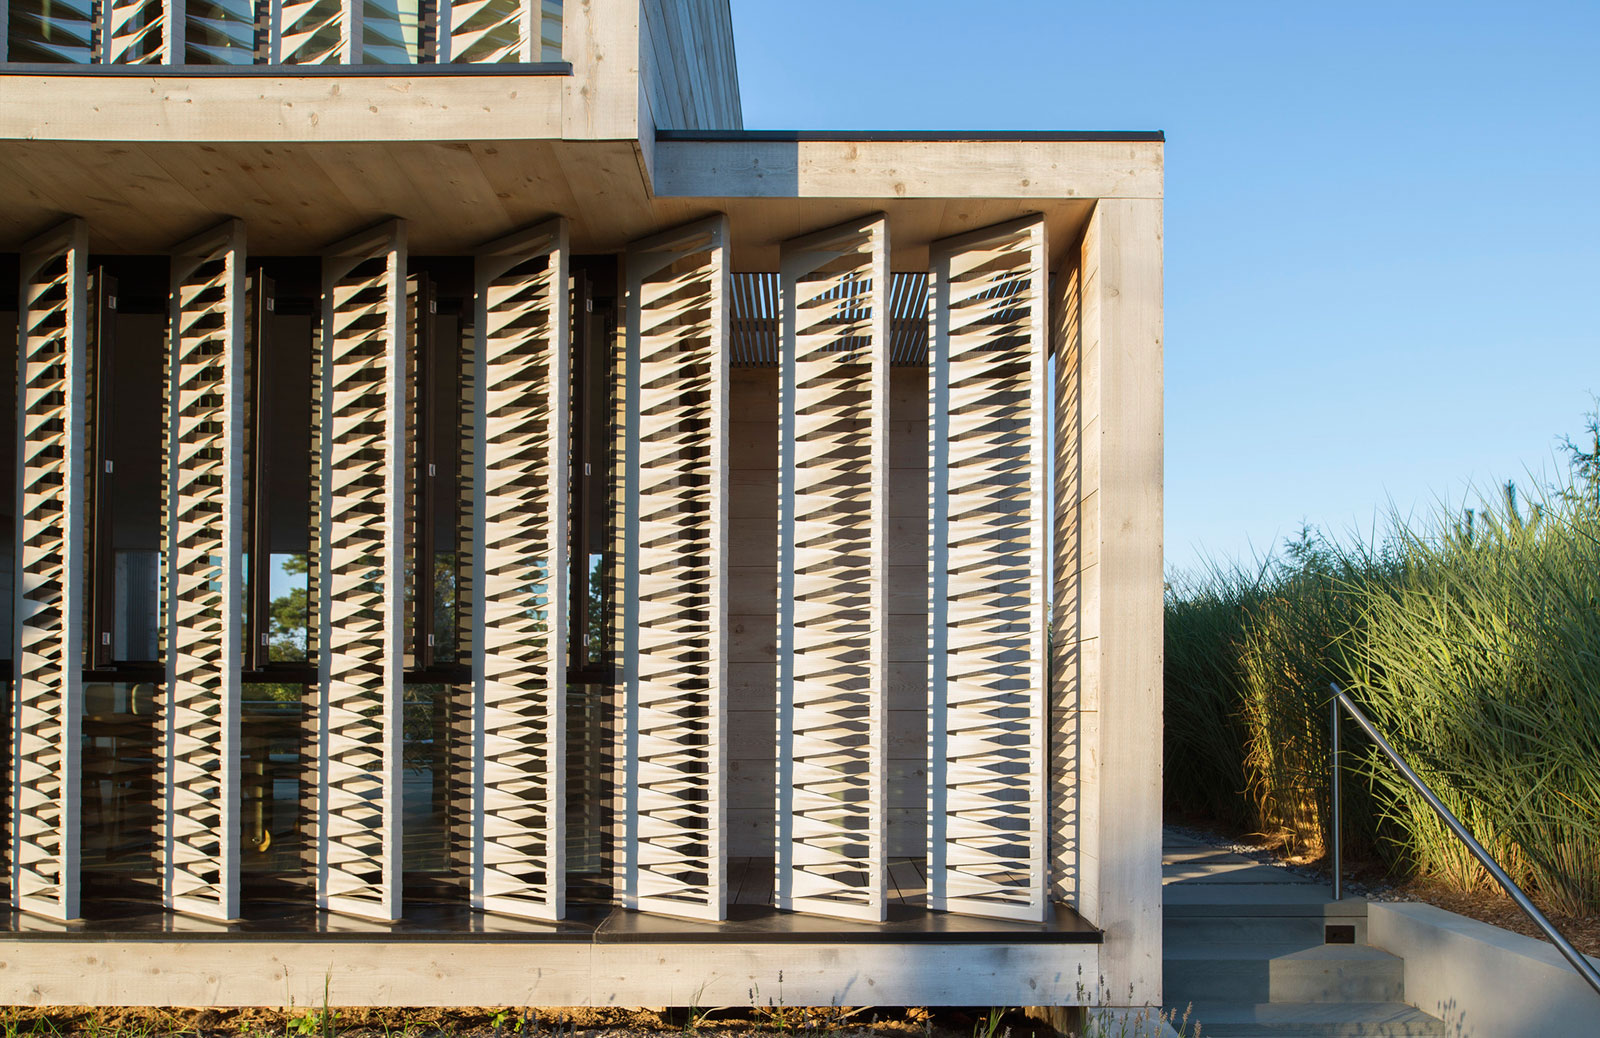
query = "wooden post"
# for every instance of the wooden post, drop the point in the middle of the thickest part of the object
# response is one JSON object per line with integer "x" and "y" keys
{"x": 1120, "y": 387}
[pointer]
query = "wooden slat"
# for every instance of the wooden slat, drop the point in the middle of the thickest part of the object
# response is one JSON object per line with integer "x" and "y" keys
{"x": 671, "y": 834}
{"x": 519, "y": 582}
{"x": 987, "y": 831}
{"x": 203, "y": 515}
{"x": 832, "y": 620}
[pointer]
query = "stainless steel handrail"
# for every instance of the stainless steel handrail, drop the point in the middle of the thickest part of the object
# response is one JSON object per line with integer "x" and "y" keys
{"x": 1578, "y": 960}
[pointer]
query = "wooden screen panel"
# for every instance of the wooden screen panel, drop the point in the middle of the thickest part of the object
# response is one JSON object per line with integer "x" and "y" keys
{"x": 47, "y": 700}
{"x": 203, "y": 513}
{"x": 132, "y": 31}
{"x": 833, "y": 518}
{"x": 314, "y": 32}
{"x": 671, "y": 850}
{"x": 490, "y": 31}
{"x": 520, "y": 582}
{"x": 360, "y": 585}
{"x": 987, "y": 760}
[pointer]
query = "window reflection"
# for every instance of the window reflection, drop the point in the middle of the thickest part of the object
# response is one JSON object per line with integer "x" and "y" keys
{"x": 274, "y": 772}
{"x": 51, "y": 31}
{"x": 119, "y": 819}
{"x": 220, "y": 32}
{"x": 393, "y": 32}
{"x": 436, "y": 787}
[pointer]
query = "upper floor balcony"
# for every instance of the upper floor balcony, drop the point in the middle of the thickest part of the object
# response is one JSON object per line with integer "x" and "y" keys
{"x": 201, "y": 34}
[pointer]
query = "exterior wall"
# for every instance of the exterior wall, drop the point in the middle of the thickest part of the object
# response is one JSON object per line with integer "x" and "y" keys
{"x": 687, "y": 68}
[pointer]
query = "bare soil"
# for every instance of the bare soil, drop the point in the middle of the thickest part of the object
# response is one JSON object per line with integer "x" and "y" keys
{"x": 514, "y": 1022}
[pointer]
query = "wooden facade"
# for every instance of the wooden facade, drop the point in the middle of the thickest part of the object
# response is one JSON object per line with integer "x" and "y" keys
{"x": 586, "y": 539}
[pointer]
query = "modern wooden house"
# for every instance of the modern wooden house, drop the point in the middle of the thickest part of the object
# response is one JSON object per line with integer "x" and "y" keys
{"x": 489, "y": 529}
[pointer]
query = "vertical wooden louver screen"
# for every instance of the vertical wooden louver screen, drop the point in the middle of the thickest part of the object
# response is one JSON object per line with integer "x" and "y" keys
{"x": 519, "y": 584}
{"x": 47, "y": 700}
{"x": 833, "y": 512}
{"x": 315, "y": 32}
{"x": 132, "y": 31}
{"x": 490, "y": 31}
{"x": 987, "y": 469}
{"x": 360, "y": 585}
{"x": 203, "y": 519}
{"x": 671, "y": 837}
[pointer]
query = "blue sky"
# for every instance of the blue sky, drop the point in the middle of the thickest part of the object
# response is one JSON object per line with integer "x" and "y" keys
{"x": 1382, "y": 220}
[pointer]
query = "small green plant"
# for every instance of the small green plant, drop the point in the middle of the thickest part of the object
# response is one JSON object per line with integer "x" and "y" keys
{"x": 989, "y": 1024}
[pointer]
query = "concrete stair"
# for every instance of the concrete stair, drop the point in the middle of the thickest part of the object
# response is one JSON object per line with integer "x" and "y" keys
{"x": 1247, "y": 953}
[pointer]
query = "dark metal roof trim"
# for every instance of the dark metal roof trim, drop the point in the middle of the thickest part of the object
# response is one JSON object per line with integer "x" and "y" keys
{"x": 910, "y": 135}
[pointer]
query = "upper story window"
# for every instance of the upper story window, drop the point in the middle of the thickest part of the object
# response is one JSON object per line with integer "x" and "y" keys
{"x": 282, "y": 32}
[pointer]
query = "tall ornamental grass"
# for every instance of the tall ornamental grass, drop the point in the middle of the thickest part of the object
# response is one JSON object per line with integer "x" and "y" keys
{"x": 1474, "y": 645}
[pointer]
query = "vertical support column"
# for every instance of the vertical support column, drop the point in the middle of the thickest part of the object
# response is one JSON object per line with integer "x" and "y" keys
{"x": 671, "y": 837}
{"x": 360, "y": 586}
{"x": 204, "y": 520}
{"x": 833, "y": 509}
{"x": 51, "y": 491}
{"x": 1121, "y": 384}
{"x": 519, "y": 585}
{"x": 987, "y": 825}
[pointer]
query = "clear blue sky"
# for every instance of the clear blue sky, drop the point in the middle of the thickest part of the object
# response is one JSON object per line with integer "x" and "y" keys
{"x": 1382, "y": 220}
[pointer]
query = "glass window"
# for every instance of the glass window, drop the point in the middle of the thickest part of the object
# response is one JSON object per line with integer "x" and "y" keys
{"x": 277, "y": 779}
{"x": 393, "y": 32}
{"x": 219, "y": 32}
{"x": 51, "y": 31}
{"x": 119, "y": 822}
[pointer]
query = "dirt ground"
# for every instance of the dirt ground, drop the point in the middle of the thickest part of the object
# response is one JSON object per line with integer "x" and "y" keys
{"x": 517, "y": 1022}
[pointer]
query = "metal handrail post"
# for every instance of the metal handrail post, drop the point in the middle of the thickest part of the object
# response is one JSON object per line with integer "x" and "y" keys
{"x": 1578, "y": 960}
{"x": 1337, "y": 799}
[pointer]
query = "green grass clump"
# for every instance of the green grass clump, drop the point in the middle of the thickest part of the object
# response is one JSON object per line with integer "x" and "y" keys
{"x": 1473, "y": 642}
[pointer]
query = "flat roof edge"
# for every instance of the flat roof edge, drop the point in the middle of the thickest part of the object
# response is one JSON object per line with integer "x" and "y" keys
{"x": 911, "y": 135}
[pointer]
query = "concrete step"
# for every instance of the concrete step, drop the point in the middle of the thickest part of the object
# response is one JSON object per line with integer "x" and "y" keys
{"x": 1205, "y": 971}
{"x": 1273, "y": 930}
{"x": 1313, "y": 1020}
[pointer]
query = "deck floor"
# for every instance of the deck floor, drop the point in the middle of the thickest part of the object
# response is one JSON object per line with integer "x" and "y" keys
{"x": 751, "y": 918}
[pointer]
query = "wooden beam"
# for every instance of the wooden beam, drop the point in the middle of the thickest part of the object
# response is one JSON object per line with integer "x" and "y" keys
{"x": 203, "y": 515}
{"x": 756, "y": 168}
{"x": 377, "y": 970}
{"x": 519, "y": 581}
{"x": 50, "y": 587}
{"x": 359, "y": 615}
{"x": 833, "y": 522}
